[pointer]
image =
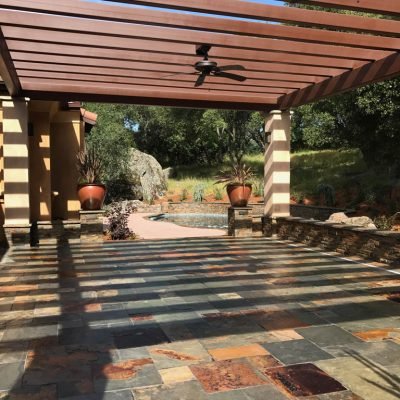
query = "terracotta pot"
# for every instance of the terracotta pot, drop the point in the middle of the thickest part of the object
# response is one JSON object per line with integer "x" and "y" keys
{"x": 91, "y": 196}
{"x": 239, "y": 195}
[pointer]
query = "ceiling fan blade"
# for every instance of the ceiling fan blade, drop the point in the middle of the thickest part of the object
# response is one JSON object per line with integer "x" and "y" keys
{"x": 200, "y": 80}
{"x": 178, "y": 73}
{"x": 232, "y": 68}
{"x": 234, "y": 77}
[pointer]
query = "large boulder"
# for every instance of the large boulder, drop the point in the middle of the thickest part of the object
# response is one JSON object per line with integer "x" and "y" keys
{"x": 147, "y": 176}
{"x": 342, "y": 218}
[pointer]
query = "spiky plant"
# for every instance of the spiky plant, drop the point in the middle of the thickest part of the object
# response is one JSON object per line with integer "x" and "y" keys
{"x": 89, "y": 165}
{"x": 239, "y": 174}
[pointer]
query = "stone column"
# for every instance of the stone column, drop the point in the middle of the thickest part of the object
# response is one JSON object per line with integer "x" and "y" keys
{"x": 276, "y": 167}
{"x": 16, "y": 171}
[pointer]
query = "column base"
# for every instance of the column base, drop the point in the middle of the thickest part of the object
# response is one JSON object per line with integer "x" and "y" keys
{"x": 18, "y": 235}
{"x": 91, "y": 225}
{"x": 240, "y": 221}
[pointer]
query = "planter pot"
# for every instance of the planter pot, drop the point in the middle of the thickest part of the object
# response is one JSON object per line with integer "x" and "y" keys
{"x": 239, "y": 195}
{"x": 91, "y": 196}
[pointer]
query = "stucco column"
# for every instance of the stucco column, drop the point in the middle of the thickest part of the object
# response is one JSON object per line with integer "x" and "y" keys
{"x": 277, "y": 165}
{"x": 16, "y": 171}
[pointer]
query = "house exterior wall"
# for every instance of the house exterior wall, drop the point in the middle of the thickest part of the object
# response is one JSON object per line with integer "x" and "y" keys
{"x": 55, "y": 136}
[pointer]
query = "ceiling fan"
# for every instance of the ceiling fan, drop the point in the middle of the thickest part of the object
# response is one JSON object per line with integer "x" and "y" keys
{"x": 206, "y": 68}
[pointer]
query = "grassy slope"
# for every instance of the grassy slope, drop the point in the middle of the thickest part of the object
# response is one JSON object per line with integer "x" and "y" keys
{"x": 343, "y": 169}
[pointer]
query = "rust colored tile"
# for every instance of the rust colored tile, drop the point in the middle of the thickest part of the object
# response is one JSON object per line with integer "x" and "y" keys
{"x": 226, "y": 375}
{"x": 378, "y": 334}
{"x": 19, "y": 288}
{"x": 304, "y": 380}
{"x": 280, "y": 320}
{"x": 175, "y": 355}
{"x": 122, "y": 370}
{"x": 263, "y": 363}
{"x": 142, "y": 317}
{"x": 230, "y": 353}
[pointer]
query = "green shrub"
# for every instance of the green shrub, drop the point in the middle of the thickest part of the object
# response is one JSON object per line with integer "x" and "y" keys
{"x": 259, "y": 189}
{"x": 184, "y": 195}
{"x": 218, "y": 193}
{"x": 384, "y": 223}
{"x": 327, "y": 192}
{"x": 198, "y": 193}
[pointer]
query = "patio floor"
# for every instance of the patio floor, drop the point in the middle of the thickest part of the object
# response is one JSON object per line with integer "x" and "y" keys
{"x": 196, "y": 319}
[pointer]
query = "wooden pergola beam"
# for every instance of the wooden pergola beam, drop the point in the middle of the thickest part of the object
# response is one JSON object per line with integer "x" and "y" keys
{"x": 91, "y": 48}
{"x": 145, "y": 73}
{"x": 162, "y": 70}
{"x": 210, "y": 83}
{"x": 7, "y": 69}
{"x": 13, "y": 21}
{"x": 79, "y": 57}
{"x": 384, "y": 7}
{"x": 264, "y": 12}
{"x": 77, "y": 8}
{"x": 386, "y": 68}
{"x": 41, "y": 88}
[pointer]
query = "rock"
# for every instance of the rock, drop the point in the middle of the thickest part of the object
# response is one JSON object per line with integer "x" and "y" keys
{"x": 147, "y": 177}
{"x": 342, "y": 218}
{"x": 168, "y": 173}
{"x": 396, "y": 222}
{"x": 365, "y": 222}
{"x": 338, "y": 218}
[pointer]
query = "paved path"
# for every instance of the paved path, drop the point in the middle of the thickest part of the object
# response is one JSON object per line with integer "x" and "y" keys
{"x": 196, "y": 319}
{"x": 147, "y": 229}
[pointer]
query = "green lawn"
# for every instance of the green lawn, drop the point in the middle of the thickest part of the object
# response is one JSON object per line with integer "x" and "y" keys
{"x": 309, "y": 169}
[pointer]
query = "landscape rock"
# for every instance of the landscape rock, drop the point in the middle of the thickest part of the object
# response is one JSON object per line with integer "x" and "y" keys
{"x": 342, "y": 218}
{"x": 338, "y": 218}
{"x": 147, "y": 176}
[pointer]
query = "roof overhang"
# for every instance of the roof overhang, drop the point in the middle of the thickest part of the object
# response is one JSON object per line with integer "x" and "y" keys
{"x": 115, "y": 52}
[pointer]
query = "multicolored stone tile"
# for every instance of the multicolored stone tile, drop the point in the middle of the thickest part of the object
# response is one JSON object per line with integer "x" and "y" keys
{"x": 229, "y": 353}
{"x": 176, "y": 375}
{"x": 226, "y": 375}
{"x": 304, "y": 380}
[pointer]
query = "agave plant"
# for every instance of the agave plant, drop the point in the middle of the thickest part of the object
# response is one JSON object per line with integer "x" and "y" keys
{"x": 239, "y": 174}
{"x": 89, "y": 166}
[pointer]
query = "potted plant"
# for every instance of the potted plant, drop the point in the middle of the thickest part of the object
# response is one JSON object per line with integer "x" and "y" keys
{"x": 237, "y": 182}
{"x": 91, "y": 192}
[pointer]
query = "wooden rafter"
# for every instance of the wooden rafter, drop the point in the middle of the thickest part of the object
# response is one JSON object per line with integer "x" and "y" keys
{"x": 386, "y": 68}
{"x": 264, "y": 12}
{"x": 7, "y": 69}
{"x": 144, "y": 16}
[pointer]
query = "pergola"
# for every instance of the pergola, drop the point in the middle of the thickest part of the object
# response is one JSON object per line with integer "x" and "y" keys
{"x": 108, "y": 51}
{"x": 144, "y": 51}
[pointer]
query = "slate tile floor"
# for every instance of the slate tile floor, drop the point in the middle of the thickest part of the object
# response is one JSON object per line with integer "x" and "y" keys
{"x": 198, "y": 319}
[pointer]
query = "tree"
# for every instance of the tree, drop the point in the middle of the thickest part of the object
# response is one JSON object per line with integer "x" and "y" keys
{"x": 113, "y": 140}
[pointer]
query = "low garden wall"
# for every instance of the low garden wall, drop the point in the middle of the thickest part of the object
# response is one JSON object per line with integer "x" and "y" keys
{"x": 381, "y": 246}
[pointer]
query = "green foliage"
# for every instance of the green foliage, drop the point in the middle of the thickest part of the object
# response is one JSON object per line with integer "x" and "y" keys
{"x": 384, "y": 223}
{"x": 327, "y": 192}
{"x": 238, "y": 174}
{"x": 113, "y": 141}
{"x": 118, "y": 214}
{"x": 259, "y": 188}
{"x": 182, "y": 136}
{"x": 184, "y": 195}
{"x": 218, "y": 194}
{"x": 89, "y": 165}
{"x": 198, "y": 193}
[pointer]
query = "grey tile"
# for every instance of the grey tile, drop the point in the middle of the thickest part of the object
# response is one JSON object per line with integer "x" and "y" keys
{"x": 296, "y": 351}
{"x": 10, "y": 375}
{"x": 265, "y": 392}
{"x": 328, "y": 335}
{"x": 183, "y": 391}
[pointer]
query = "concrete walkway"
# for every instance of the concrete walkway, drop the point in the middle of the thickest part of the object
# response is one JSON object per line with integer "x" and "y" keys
{"x": 147, "y": 229}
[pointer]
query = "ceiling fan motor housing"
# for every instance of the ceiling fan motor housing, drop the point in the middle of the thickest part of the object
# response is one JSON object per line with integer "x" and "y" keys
{"x": 206, "y": 66}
